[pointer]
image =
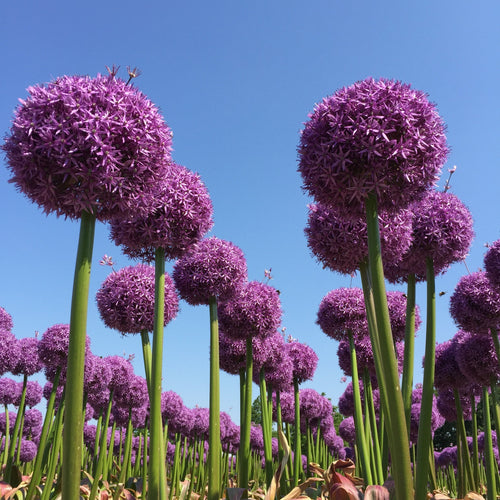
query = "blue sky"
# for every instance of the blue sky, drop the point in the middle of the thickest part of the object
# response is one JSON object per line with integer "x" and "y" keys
{"x": 235, "y": 81}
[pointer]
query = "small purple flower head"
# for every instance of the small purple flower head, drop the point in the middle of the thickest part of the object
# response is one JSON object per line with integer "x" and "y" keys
{"x": 98, "y": 374}
{"x": 341, "y": 243}
{"x": 256, "y": 438}
{"x": 34, "y": 393}
{"x": 3, "y": 422}
{"x": 27, "y": 451}
{"x": 277, "y": 364}
{"x": 446, "y": 404}
{"x": 9, "y": 391}
{"x": 5, "y": 320}
{"x": 29, "y": 361}
{"x": 492, "y": 264}
{"x": 396, "y": 301}
{"x": 87, "y": 144}
{"x": 9, "y": 352}
{"x": 442, "y": 231}
{"x": 177, "y": 214}
{"x": 313, "y": 406}
{"x": 254, "y": 311}
{"x": 212, "y": 268}
{"x": 342, "y": 311}
{"x": 201, "y": 419}
{"x": 347, "y": 430}
{"x": 126, "y": 299}
{"x": 475, "y": 304}
{"x": 32, "y": 422}
{"x": 304, "y": 361}
{"x": 287, "y": 404}
{"x": 232, "y": 353}
{"x": 171, "y": 405}
{"x": 447, "y": 372}
{"x": 436, "y": 419}
{"x": 376, "y": 137}
{"x": 133, "y": 396}
{"x": 182, "y": 422}
{"x": 121, "y": 372}
{"x": 346, "y": 400}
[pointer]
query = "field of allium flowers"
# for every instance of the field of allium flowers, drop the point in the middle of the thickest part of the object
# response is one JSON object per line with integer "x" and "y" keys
{"x": 97, "y": 149}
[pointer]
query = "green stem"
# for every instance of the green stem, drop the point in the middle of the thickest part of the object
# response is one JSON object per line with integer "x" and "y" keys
{"x": 244, "y": 464}
{"x": 377, "y": 466}
{"x": 397, "y": 429}
{"x": 266, "y": 429}
{"x": 214, "y": 446}
{"x": 475, "y": 446}
{"x": 488, "y": 449}
{"x": 73, "y": 422}
{"x": 147, "y": 356}
{"x": 297, "y": 454}
{"x": 463, "y": 439}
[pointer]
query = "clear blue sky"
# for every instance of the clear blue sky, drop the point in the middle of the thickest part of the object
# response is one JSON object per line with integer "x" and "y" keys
{"x": 235, "y": 81}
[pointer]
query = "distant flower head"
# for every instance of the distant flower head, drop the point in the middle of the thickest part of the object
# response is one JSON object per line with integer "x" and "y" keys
{"x": 98, "y": 374}
{"x": 442, "y": 231}
{"x": 9, "y": 391}
{"x": 374, "y": 137}
{"x": 396, "y": 301}
{"x": 29, "y": 361}
{"x": 200, "y": 422}
{"x": 182, "y": 421}
{"x": 475, "y": 303}
{"x": 171, "y": 405}
{"x": 5, "y": 320}
{"x": 341, "y": 243}
{"x": 436, "y": 419}
{"x": 232, "y": 353}
{"x": 446, "y": 404}
{"x": 121, "y": 373}
{"x": 9, "y": 352}
{"x": 87, "y": 144}
{"x": 287, "y": 404}
{"x": 34, "y": 393}
{"x": 3, "y": 422}
{"x": 304, "y": 361}
{"x": 347, "y": 430}
{"x": 32, "y": 422}
{"x": 256, "y": 438}
{"x": 447, "y": 372}
{"x": 342, "y": 311}
{"x": 212, "y": 268}
{"x": 28, "y": 450}
{"x": 126, "y": 299}
{"x": 135, "y": 395}
{"x": 255, "y": 310}
{"x": 174, "y": 215}
{"x": 492, "y": 264}
{"x": 313, "y": 406}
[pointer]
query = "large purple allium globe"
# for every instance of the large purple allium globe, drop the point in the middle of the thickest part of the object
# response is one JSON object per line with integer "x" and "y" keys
{"x": 87, "y": 144}
{"x": 232, "y": 354}
{"x": 375, "y": 137}
{"x": 475, "y": 304}
{"x": 447, "y": 372}
{"x": 287, "y": 404}
{"x": 29, "y": 361}
{"x": 492, "y": 264}
{"x": 126, "y": 299}
{"x": 347, "y": 430}
{"x": 342, "y": 312}
{"x": 446, "y": 404}
{"x": 8, "y": 391}
{"x": 5, "y": 320}
{"x": 442, "y": 231}
{"x": 212, "y": 268}
{"x": 177, "y": 213}
{"x": 396, "y": 302}
{"x": 255, "y": 311}
{"x": 341, "y": 243}
{"x": 275, "y": 362}
{"x": 171, "y": 405}
{"x": 9, "y": 352}
{"x": 304, "y": 360}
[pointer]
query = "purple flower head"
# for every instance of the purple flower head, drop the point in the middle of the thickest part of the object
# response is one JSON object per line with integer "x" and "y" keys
{"x": 232, "y": 353}
{"x": 27, "y": 451}
{"x": 277, "y": 365}
{"x": 375, "y": 137}
{"x": 255, "y": 311}
{"x": 5, "y": 320}
{"x": 304, "y": 361}
{"x": 481, "y": 440}
{"x": 47, "y": 390}
{"x": 87, "y": 144}
{"x": 396, "y": 301}
{"x": 212, "y": 268}
{"x": 98, "y": 374}
{"x": 177, "y": 214}
{"x": 9, "y": 351}
{"x": 121, "y": 373}
{"x": 126, "y": 299}
{"x": 89, "y": 434}
{"x": 119, "y": 415}
{"x": 139, "y": 416}
{"x": 335, "y": 445}
{"x": 341, "y": 243}
{"x": 492, "y": 264}
{"x": 3, "y": 422}
{"x": 447, "y": 372}
{"x": 53, "y": 348}
{"x": 200, "y": 422}
{"x": 446, "y": 404}
{"x": 34, "y": 393}
{"x": 134, "y": 395}
{"x": 442, "y": 231}
{"x": 447, "y": 457}
{"x": 346, "y": 400}
{"x": 171, "y": 405}
{"x": 347, "y": 430}
{"x": 436, "y": 419}
{"x": 32, "y": 422}
{"x": 182, "y": 422}
{"x": 475, "y": 304}
{"x": 9, "y": 391}
{"x": 29, "y": 361}
{"x": 342, "y": 312}
{"x": 229, "y": 431}
{"x": 287, "y": 404}
{"x": 256, "y": 438}
{"x": 476, "y": 358}
{"x": 313, "y": 406}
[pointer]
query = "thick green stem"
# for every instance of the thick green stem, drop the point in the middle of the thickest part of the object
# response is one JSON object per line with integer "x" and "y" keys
{"x": 266, "y": 429}
{"x": 424, "y": 425}
{"x": 73, "y": 422}
{"x": 157, "y": 475}
{"x": 491, "y": 483}
{"x": 475, "y": 445}
{"x": 463, "y": 439}
{"x": 244, "y": 463}
{"x": 377, "y": 467}
{"x": 147, "y": 356}
{"x": 297, "y": 457}
{"x": 214, "y": 446}
{"x": 399, "y": 440}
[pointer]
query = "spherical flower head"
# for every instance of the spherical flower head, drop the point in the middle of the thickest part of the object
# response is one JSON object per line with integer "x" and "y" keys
{"x": 342, "y": 312}
{"x": 396, "y": 302}
{"x": 9, "y": 391}
{"x": 3, "y": 422}
{"x": 122, "y": 371}
{"x": 97, "y": 376}
{"x": 312, "y": 405}
{"x": 5, "y": 320}
{"x": 201, "y": 420}
{"x": 134, "y": 395}
{"x": 287, "y": 404}
{"x": 28, "y": 450}
{"x": 446, "y": 404}
{"x": 29, "y": 361}
{"x": 340, "y": 242}
{"x": 442, "y": 231}
{"x": 255, "y": 311}
{"x": 347, "y": 430}
{"x": 232, "y": 353}
{"x": 447, "y": 372}
{"x": 171, "y": 405}
{"x": 182, "y": 422}
{"x": 177, "y": 213}
{"x": 256, "y": 438}
{"x": 9, "y": 352}
{"x": 81, "y": 144}
{"x": 126, "y": 299}
{"x": 212, "y": 268}
{"x": 492, "y": 264}
{"x": 476, "y": 358}
{"x": 34, "y": 393}
{"x": 346, "y": 399}
{"x": 304, "y": 361}
{"x": 277, "y": 364}
{"x": 475, "y": 304}
{"x": 378, "y": 138}
{"x": 32, "y": 422}
{"x": 436, "y": 419}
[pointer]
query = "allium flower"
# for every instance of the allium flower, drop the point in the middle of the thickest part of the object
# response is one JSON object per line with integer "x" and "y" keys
{"x": 87, "y": 144}
{"x": 492, "y": 264}
{"x": 135, "y": 395}
{"x": 182, "y": 422}
{"x": 256, "y": 438}
{"x": 96, "y": 380}
{"x": 436, "y": 419}
{"x": 122, "y": 371}
{"x": 3, "y": 422}
{"x": 5, "y": 320}
{"x": 200, "y": 422}
{"x": 171, "y": 405}
{"x": 313, "y": 405}
{"x": 8, "y": 391}
{"x": 304, "y": 361}
{"x": 232, "y": 353}
{"x": 475, "y": 304}
{"x": 29, "y": 361}
{"x": 446, "y": 404}
{"x": 32, "y": 422}
{"x": 442, "y": 231}
{"x": 126, "y": 299}
{"x": 34, "y": 393}
{"x": 212, "y": 268}
{"x": 254, "y": 311}
{"x": 342, "y": 312}
{"x": 287, "y": 403}
{"x": 177, "y": 213}
{"x": 27, "y": 451}
{"x": 374, "y": 137}
{"x": 396, "y": 301}
{"x": 341, "y": 243}
{"x": 277, "y": 364}
{"x": 9, "y": 352}
{"x": 347, "y": 430}
{"x": 447, "y": 373}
